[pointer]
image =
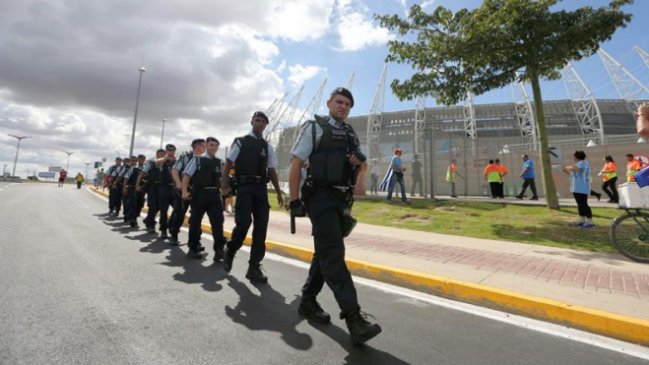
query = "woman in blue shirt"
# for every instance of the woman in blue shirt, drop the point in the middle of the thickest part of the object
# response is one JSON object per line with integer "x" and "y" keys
{"x": 580, "y": 188}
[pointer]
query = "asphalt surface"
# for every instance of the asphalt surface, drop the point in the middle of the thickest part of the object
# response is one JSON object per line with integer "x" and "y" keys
{"x": 78, "y": 287}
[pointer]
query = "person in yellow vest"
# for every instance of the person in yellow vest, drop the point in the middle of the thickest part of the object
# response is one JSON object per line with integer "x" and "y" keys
{"x": 492, "y": 176}
{"x": 502, "y": 170}
{"x": 633, "y": 165}
{"x": 609, "y": 176}
{"x": 79, "y": 179}
{"x": 451, "y": 173}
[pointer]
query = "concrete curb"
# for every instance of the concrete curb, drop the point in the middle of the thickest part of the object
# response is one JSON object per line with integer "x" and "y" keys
{"x": 592, "y": 320}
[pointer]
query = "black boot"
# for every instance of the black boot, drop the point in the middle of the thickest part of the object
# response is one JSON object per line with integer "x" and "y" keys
{"x": 360, "y": 329}
{"x": 173, "y": 240}
{"x": 255, "y": 274}
{"x": 218, "y": 254}
{"x": 194, "y": 252}
{"x": 312, "y": 310}
{"x": 228, "y": 257}
{"x": 163, "y": 233}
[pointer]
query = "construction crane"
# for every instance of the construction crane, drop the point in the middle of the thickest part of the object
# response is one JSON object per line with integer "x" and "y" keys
{"x": 375, "y": 118}
{"x": 584, "y": 105}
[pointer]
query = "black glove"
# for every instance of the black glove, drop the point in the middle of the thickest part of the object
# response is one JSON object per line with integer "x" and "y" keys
{"x": 297, "y": 208}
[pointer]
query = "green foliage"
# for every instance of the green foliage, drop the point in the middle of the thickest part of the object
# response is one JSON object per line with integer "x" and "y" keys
{"x": 493, "y": 45}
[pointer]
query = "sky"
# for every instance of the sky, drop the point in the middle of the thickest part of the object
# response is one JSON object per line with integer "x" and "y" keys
{"x": 69, "y": 69}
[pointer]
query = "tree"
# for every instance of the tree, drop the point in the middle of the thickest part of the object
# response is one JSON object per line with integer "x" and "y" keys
{"x": 489, "y": 47}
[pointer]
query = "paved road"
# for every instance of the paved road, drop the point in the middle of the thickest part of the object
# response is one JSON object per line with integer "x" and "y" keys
{"x": 76, "y": 287}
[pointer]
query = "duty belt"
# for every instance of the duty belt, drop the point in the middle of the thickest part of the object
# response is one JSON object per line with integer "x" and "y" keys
{"x": 214, "y": 189}
{"x": 251, "y": 179}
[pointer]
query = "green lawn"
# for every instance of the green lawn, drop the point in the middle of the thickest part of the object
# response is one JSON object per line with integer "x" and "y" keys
{"x": 530, "y": 224}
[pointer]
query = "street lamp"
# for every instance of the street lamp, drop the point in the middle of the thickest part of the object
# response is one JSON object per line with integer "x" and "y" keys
{"x": 87, "y": 164}
{"x": 67, "y": 167}
{"x": 19, "y": 138}
{"x": 137, "y": 105}
{"x": 162, "y": 135}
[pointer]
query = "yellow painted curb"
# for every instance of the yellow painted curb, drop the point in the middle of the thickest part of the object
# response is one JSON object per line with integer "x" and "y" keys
{"x": 608, "y": 324}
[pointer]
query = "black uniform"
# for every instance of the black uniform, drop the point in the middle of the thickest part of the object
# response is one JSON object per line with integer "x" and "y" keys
{"x": 114, "y": 194}
{"x": 154, "y": 175}
{"x": 251, "y": 172}
{"x": 328, "y": 207}
{"x": 179, "y": 206}
{"x": 131, "y": 210}
{"x": 206, "y": 198}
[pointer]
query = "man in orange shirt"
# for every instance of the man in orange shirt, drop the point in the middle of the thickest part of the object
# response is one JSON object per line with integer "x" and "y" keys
{"x": 502, "y": 170}
{"x": 492, "y": 176}
{"x": 633, "y": 165}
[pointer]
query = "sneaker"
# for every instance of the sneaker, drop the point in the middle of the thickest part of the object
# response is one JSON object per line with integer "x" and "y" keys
{"x": 360, "y": 330}
{"x": 580, "y": 224}
{"x": 534, "y": 198}
{"x": 587, "y": 225}
{"x": 310, "y": 309}
{"x": 227, "y": 259}
{"x": 255, "y": 274}
{"x": 519, "y": 197}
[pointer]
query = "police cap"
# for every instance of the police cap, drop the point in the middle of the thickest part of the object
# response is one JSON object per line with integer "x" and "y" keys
{"x": 260, "y": 115}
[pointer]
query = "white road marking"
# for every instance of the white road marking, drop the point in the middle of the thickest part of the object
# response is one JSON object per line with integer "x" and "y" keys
{"x": 515, "y": 320}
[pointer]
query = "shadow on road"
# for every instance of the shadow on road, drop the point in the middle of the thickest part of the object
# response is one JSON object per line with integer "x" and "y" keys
{"x": 267, "y": 311}
{"x": 193, "y": 271}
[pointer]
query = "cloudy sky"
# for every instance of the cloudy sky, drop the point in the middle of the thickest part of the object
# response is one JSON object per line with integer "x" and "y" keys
{"x": 69, "y": 68}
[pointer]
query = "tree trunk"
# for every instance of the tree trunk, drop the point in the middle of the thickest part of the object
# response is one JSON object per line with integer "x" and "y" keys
{"x": 546, "y": 165}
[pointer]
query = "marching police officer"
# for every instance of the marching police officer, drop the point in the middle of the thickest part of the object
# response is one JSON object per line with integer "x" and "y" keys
{"x": 113, "y": 200}
{"x": 179, "y": 205}
{"x": 132, "y": 201}
{"x": 140, "y": 193}
{"x": 205, "y": 174}
{"x": 121, "y": 183}
{"x": 255, "y": 162}
{"x": 332, "y": 149}
{"x": 152, "y": 173}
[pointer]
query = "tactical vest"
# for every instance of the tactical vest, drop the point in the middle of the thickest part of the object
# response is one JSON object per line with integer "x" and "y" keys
{"x": 165, "y": 174}
{"x": 208, "y": 173}
{"x": 253, "y": 157}
{"x": 329, "y": 163}
{"x": 154, "y": 173}
{"x": 135, "y": 172}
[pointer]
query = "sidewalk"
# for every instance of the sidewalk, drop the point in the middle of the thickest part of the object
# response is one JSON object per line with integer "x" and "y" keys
{"x": 602, "y": 293}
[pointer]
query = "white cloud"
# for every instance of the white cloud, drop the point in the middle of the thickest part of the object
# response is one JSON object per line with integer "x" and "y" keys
{"x": 299, "y": 20}
{"x": 298, "y": 74}
{"x": 427, "y": 3}
{"x": 356, "y": 30}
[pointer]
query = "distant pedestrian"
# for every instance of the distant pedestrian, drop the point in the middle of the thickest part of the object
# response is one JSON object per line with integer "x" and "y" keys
{"x": 580, "y": 188}
{"x": 374, "y": 177}
{"x": 451, "y": 174}
{"x": 528, "y": 178}
{"x": 62, "y": 175}
{"x": 79, "y": 180}
{"x": 492, "y": 176}
{"x": 417, "y": 181}
{"x": 397, "y": 168}
{"x": 633, "y": 165}
{"x": 609, "y": 176}
{"x": 502, "y": 171}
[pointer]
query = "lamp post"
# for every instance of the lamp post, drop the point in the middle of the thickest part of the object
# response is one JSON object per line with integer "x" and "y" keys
{"x": 87, "y": 165}
{"x": 162, "y": 135}
{"x": 142, "y": 70}
{"x": 67, "y": 166}
{"x": 19, "y": 138}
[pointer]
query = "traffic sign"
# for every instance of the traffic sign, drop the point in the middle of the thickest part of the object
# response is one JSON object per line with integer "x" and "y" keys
{"x": 46, "y": 174}
{"x": 54, "y": 168}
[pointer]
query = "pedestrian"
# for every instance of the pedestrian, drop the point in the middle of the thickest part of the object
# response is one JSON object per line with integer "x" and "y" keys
{"x": 633, "y": 165}
{"x": 152, "y": 174}
{"x": 62, "y": 176}
{"x": 580, "y": 188}
{"x": 374, "y": 177}
{"x": 181, "y": 205}
{"x": 256, "y": 164}
{"x": 333, "y": 151}
{"x": 451, "y": 174}
{"x": 79, "y": 180}
{"x": 528, "y": 179}
{"x": 114, "y": 196}
{"x": 397, "y": 168}
{"x": 205, "y": 175}
{"x": 492, "y": 176}
{"x": 609, "y": 176}
{"x": 502, "y": 171}
{"x": 417, "y": 180}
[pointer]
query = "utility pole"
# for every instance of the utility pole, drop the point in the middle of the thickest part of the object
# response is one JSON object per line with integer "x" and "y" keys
{"x": 19, "y": 138}
{"x": 142, "y": 70}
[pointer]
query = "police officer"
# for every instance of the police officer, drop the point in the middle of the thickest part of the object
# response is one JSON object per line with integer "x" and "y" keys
{"x": 255, "y": 162}
{"x": 152, "y": 173}
{"x": 333, "y": 152}
{"x": 165, "y": 187}
{"x": 205, "y": 174}
{"x": 179, "y": 205}
{"x": 131, "y": 203}
{"x": 127, "y": 163}
{"x": 140, "y": 193}
{"x": 112, "y": 195}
